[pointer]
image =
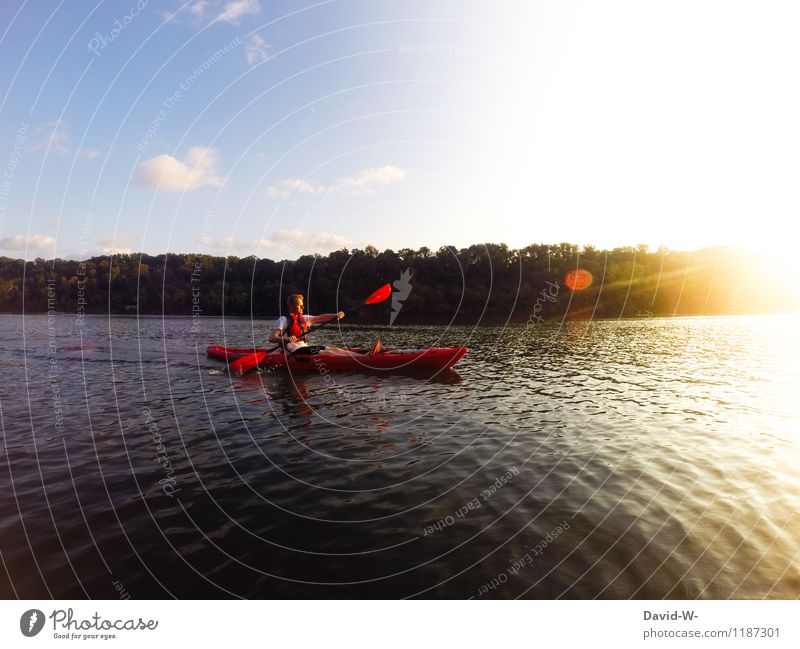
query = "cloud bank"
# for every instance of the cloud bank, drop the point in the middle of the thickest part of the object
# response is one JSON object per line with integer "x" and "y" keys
{"x": 364, "y": 182}
{"x": 119, "y": 245}
{"x": 285, "y": 244}
{"x": 36, "y": 242}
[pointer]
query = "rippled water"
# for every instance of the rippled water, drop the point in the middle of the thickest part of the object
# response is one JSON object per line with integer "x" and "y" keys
{"x": 651, "y": 458}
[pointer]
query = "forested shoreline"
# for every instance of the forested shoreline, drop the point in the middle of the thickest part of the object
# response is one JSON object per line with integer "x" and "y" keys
{"x": 483, "y": 283}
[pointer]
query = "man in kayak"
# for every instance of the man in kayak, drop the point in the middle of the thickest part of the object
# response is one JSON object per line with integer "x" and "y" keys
{"x": 288, "y": 330}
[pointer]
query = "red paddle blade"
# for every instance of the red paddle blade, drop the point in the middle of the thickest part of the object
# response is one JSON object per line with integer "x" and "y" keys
{"x": 381, "y": 295}
{"x": 246, "y": 363}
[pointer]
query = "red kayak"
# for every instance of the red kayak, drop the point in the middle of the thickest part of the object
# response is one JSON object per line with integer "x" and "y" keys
{"x": 337, "y": 359}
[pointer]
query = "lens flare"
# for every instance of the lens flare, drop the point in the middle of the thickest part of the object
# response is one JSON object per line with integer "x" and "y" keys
{"x": 577, "y": 280}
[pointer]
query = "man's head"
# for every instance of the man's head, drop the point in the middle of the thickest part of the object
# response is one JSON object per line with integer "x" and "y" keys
{"x": 295, "y": 303}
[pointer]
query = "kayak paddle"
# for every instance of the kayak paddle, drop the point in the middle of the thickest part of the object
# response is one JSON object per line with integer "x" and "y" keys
{"x": 381, "y": 295}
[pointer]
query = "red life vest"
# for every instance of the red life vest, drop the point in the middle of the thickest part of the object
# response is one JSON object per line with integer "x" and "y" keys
{"x": 297, "y": 325}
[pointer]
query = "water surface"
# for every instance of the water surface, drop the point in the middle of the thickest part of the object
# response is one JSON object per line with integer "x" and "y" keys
{"x": 652, "y": 458}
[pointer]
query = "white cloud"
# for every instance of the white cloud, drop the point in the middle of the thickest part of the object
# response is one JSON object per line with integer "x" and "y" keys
{"x": 198, "y": 8}
{"x": 53, "y": 138}
{"x": 264, "y": 245}
{"x": 236, "y": 9}
{"x": 255, "y": 49}
{"x": 198, "y": 169}
{"x": 116, "y": 246}
{"x": 36, "y": 242}
{"x": 286, "y": 187}
{"x": 226, "y": 244}
{"x": 363, "y": 182}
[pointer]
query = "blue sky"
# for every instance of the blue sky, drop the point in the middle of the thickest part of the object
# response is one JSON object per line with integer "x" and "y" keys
{"x": 283, "y": 128}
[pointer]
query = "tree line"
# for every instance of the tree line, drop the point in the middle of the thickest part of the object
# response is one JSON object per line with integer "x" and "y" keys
{"x": 487, "y": 282}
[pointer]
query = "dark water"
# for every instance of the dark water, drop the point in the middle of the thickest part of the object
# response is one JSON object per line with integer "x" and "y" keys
{"x": 646, "y": 458}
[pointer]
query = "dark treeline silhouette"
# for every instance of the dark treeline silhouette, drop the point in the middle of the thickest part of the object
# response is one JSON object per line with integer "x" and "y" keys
{"x": 483, "y": 283}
